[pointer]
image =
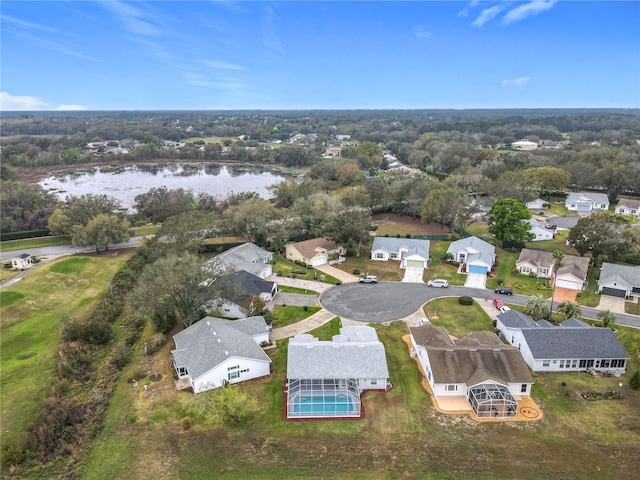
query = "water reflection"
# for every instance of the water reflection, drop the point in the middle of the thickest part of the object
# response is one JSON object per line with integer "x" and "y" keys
{"x": 125, "y": 183}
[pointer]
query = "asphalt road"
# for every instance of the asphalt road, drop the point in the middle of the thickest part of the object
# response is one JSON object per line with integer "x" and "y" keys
{"x": 387, "y": 301}
{"x": 64, "y": 249}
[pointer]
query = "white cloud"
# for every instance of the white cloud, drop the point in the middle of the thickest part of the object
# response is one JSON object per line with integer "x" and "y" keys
{"x": 28, "y": 25}
{"x": 133, "y": 18}
{"x": 515, "y": 82}
{"x": 421, "y": 32}
{"x": 486, "y": 15}
{"x": 222, "y": 65}
{"x": 527, "y": 10}
{"x": 10, "y": 102}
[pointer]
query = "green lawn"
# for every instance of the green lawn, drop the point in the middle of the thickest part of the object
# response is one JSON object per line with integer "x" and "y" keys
{"x": 458, "y": 319}
{"x": 302, "y": 291}
{"x": 34, "y": 243}
{"x": 285, "y": 268}
{"x": 283, "y": 316}
{"x": 30, "y": 325}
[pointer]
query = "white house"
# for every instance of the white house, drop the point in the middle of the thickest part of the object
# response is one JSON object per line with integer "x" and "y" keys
{"x": 213, "y": 352}
{"x": 22, "y": 261}
{"x": 248, "y": 257}
{"x": 619, "y": 280}
{"x": 325, "y": 379}
{"x": 524, "y": 144}
{"x": 477, "y": 254}
{"x": 479, "y": 367}
{"x": 538, "y": 263}
{"x": 537, "y": 204}
{"x": 628, "y": 206}
{"x": 573, "y": 273}
{"x": 411, "y": 252}
{"x": 572, "y": 346}
{"x": 539, "y": 231}
{"x": 586, "y": 202}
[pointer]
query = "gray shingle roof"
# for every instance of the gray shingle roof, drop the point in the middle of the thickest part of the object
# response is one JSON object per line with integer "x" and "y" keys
{"x": 573, "y": 343}
{"x": 582, "y": 197}
{"x": 630, "y": 276}
{"x": 629, "y": 203}
{"x": 539, "y": 258}
{"x": 574, "y": 265}
{"x": 391, "y": 244}
{"x": 210, "y": 341}
{"x": 515, "y": 319}
{"x": 477, "y": 250}
{"x": 252, "y": 284}
{"x": 471, "y": 360}
{"x": 248, "y": 257}
{"x": 355, "y": 353}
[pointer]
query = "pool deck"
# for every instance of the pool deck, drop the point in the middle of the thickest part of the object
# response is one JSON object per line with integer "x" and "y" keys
{"x": 528, "y": 410}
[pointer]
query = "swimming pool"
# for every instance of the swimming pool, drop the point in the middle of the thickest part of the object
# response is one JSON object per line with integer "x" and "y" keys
{"x": 323, "y": 406}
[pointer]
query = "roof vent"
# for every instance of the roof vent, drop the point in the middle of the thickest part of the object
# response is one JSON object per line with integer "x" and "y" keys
{"x": 215, "y": 333}
{"x": 497, "y": 350}
{"x": 335, "y": 346}
{"x": 219, "y": 340}
{"x": 449, "y": 349}
{"x": 473, "y": 349}
{"x": 360, "y": 346}
{"x": 208, "y": 323}
{"x": 226, "y": 353}
{"x": 309, "y": 346}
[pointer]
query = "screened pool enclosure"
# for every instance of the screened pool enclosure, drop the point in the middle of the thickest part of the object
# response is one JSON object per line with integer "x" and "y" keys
{"x": 492, "y": 400}
{"x": 337, "y": 397}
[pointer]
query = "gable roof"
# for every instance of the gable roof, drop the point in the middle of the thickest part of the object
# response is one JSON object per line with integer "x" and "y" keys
{"x": 573, "y": 343}
{"x": 308, "y": 248}
{"x": 210, "y": 341}
{"x": 394, "y": 245}
{"x": 22, "y": 256}
{"x": 629, "y": 203}
{"x": 252, "y": 284}
{"x": 355, "y": 353}
{"x": 477, "y": 250}
{"x": 575, "y": 266}
{"x": 537, "y": 258}
{"x": 627, "y": 275}
{"x": 515, "y": 319}
{"x": 587, "y": 197}
{"x": 247, "y": 256}
{"x": 471, "y": 360}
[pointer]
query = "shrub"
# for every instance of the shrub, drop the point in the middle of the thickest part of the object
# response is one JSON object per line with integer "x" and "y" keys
{"x": 121, "y": 356}
{"x": 155, "y": 343}
{"x": 186, "y": 423}
{"x": 634, "y": 380}
{"x": 356, "y": 271}
{"x": 408, "y": 235}
{"x": 93, "y": 331}
{"x": 500, "y": 281}
{"x": 465, "y": 300}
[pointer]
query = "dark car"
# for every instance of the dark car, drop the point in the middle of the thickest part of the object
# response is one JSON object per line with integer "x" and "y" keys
{"x": 504, "y": 290}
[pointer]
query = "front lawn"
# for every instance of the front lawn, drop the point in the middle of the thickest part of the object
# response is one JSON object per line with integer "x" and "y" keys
{"x": 285, "y": 268}
{"x": 458, "y": 319}
{"x": 286, "y": 315}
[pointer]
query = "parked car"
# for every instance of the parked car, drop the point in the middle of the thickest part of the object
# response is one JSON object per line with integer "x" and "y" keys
{"x": 368, "y": 279}
{"x": 424, "y": 321}
{"x": 498, "y": 303}
{"x": 438, "y": 283}
{"x": 504, "y": 308}
{"x": 504, "y": 290}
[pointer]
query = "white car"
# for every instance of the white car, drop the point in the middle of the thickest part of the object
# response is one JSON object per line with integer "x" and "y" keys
{"x": 368, "y": 279}
{"x": 438, "y": 283}
{"x": 424, "y": 321}
{"x": 504, "y": 308}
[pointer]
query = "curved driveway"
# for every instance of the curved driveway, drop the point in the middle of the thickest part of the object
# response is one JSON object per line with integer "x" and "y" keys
{"x": 387, "y": 301}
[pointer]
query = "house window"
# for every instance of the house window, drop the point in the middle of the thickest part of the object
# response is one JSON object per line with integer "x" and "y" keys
{"x": 634, "y": 211}
{"x": 561, "y": 363}
{"x": 233, "y": 375}
{"x": 233, "y": 368}
{"x": 583, "y": 363}
{"x": 545, "y": 363}
{"x": 589, "y": 363}
{"x": 380, "y": 256}
{"x": 452, "y": 388}
{"x": 393, "y": 256}
{"x": 374, "y": 381}
{"x": 604, "y": 364}
{"x": 523, "y": 388}
{"x": 574, "y": 363}
{"x": 543, "y": 271}
{"x": 526, "y": 270}
{"x": 244, "y": 371}
{"x": 182, "y": 371}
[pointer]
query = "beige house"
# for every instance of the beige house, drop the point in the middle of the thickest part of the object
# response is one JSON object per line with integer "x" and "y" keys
{"x": 628, "y": 206}
{"x": 313, "y": 252}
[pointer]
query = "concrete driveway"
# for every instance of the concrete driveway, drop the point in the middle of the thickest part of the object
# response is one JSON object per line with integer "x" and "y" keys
{"x": 476, "y": 280}
{"x": 341, "y": 275}
{"x": 615, "y": 304}
{"x": 413, "y": 275}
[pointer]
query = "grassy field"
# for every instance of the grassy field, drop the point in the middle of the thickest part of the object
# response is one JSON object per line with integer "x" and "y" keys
{"x": 401, "y": 436}
{"x": 283, "y": 316}
{"x": 285, "y": 268}
{"x": 286, "y": 289}
{"x": 31, "y": 313}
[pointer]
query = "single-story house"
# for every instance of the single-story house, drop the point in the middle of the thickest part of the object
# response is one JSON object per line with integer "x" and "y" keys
{"x": 248, "y": 257}
{"x": 563, "y": 223}
{"x": 248, "y": 286}
{"x": 538, "y": 263}
{"x": 325, "y": 379}
{"x": 537, "y": 204}
{"x": 571, "y": 346}
{"x": 586, "y": 202}
{"x": 619, "y": 280}
{"x": 478, "y": 255}
{"x": 573, "y": 273}
{"x": 22, "y": 261}
{"x": 411, "y": 252}
{"x": 524, "y": 144}
{"x": 313, "y": 252}
{"x": 628, "y": 206}
{"x": 214, "y": 352}
{"x": 480, "y": 367}
{"x": 540, "y": 232}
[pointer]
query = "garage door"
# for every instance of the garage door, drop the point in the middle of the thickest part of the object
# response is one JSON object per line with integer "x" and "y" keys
{"x": 614, "y": 292}
{"x": 477, "y": 269}
{"x": 318, "y": 261}
{"x": 415, "y": 263}
{"x": 568, "y": 284}
{"x": 584, "y": 208}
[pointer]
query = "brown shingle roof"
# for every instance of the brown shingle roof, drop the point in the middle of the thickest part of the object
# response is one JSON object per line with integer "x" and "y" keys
{"x": 576, "y": 266}
{"x": 462, "y": 362}
{"x": 308, "y": 247}
{"x": 538, "y": 258}
{"x": 629, "y": 203}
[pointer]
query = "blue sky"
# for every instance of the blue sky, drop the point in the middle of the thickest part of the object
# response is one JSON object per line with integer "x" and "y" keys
{"x": 116, "y": 55}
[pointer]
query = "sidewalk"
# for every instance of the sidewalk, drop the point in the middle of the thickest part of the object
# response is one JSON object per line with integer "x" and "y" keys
{"x": 303, "y": 326}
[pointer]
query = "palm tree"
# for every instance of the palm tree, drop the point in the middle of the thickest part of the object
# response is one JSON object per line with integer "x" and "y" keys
{"x": 557, "y": 264}
{"x": 570, "y": 309}
{"x": 537, "y": 307}
{"x": 606, "y": 317}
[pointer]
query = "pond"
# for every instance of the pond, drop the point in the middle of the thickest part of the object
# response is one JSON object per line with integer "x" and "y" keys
{"x": 124, "y": 183}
